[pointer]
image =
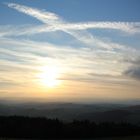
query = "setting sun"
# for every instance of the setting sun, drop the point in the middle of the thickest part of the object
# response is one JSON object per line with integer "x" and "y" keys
{"x": 49, "y": 76}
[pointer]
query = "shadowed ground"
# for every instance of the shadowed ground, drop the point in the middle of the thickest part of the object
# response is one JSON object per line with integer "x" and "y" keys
{"x": 111, "y": 138}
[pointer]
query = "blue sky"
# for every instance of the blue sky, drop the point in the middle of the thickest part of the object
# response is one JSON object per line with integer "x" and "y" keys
{"x": 70, "y": 50}
{"x": 79, "y": 10}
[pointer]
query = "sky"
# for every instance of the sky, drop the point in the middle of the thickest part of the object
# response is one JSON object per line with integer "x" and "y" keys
{"x": 70, "y": 50}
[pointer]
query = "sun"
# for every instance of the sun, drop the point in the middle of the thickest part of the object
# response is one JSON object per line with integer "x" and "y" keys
{"x": 49, "y": 75}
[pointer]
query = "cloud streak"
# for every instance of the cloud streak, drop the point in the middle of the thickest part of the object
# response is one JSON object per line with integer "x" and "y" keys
{"x": 48, "y": 17}
{"x": 78, "y": 30}
{"x": 133, "y": 71}
{"x": 40, "y": 15}
{"x": 94, "y": 60}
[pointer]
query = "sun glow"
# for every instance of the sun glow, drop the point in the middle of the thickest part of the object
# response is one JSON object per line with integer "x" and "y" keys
{"x": 49, "y": 75}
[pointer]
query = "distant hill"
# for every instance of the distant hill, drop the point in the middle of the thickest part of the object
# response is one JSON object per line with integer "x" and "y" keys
{"x": 71, "y": 111}
{"x": 129, "y": 114}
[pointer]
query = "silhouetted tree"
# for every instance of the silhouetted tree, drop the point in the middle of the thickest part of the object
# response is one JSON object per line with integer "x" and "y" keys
{"x": 27, "y": 127}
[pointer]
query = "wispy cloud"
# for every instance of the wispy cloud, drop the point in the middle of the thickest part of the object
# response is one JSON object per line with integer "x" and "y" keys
{"x": 98, "y": 60}
{"x": 78, "y": 30}
{"x": 48, "y": 18}
{"x": 82, "y": 60}
{"x": 40, "y": 15}
{"x": 133, "y": 70}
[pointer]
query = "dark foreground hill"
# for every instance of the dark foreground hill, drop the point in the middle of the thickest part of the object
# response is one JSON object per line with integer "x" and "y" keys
{"x": 42, "y": 128}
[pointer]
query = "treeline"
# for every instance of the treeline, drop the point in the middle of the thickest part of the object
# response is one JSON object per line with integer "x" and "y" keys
{"x": 27, "y": 127}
